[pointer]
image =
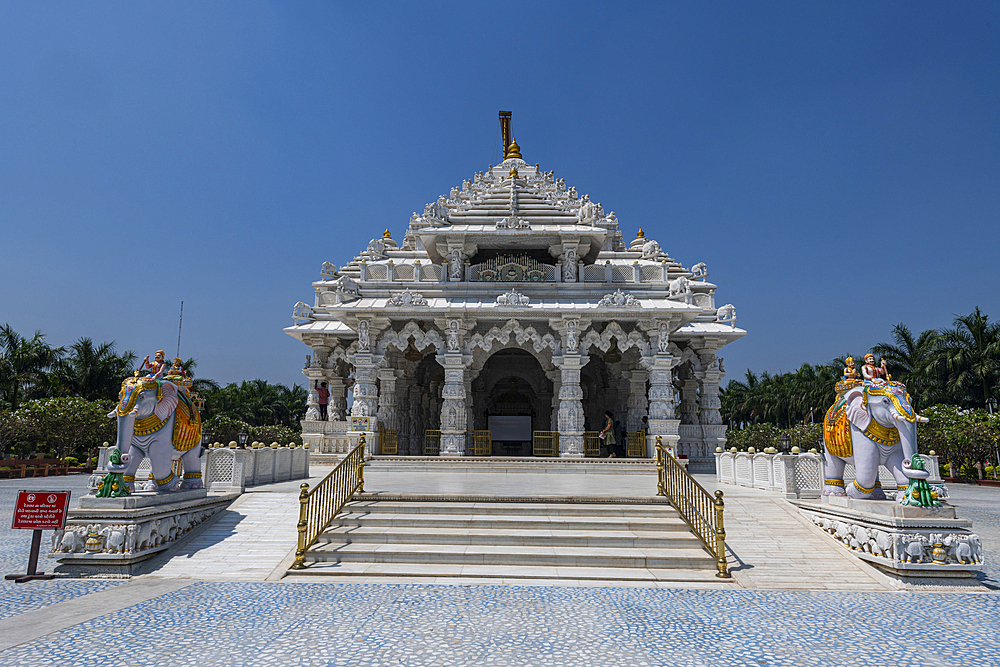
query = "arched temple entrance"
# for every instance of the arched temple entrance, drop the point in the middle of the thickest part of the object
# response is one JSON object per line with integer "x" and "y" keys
{"x": 512, "y": 398}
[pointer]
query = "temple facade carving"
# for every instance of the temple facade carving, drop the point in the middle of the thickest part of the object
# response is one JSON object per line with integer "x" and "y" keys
{"x": 515, "y": 303}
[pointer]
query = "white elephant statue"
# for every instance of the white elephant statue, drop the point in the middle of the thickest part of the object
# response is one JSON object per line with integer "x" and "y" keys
{"x": 158, "y": 420}
{"x": 870, "y": 424}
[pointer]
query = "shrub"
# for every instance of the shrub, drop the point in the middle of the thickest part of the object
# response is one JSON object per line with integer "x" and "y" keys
{"x": 225, "y": 429}
{"x": 71, "y": 461}
{"x": 757, "y": 436}
{"x": 280, "y": 434}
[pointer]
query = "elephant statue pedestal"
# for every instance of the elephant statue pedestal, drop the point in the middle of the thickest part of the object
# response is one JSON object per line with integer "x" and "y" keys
{"x": 116, "y": 535}
{"x": 916, "y": 547}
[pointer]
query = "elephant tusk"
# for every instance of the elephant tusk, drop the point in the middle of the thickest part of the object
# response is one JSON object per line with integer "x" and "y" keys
{"x": 899, "y": 418}
{"x": 922, "y": 420}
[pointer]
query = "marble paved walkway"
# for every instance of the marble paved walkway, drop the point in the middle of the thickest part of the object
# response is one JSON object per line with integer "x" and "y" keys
{"x": 177, "y": 616}
{"x": 772, "y": 546}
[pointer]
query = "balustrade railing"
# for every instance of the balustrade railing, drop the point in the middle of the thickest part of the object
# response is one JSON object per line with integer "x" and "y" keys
{"x": 702, "y": 512}
{"x": 318, "y": 507}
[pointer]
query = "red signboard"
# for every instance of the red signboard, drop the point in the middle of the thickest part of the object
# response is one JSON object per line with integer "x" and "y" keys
{"x": 41, "y": 510}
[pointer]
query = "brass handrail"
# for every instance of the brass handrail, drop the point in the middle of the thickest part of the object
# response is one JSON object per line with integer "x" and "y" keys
{"x": 697, "y": 507}
{"x": 318, "y": 507}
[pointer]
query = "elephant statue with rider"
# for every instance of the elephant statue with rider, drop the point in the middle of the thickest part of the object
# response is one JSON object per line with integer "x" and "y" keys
{"x": 871, "y": 423}
{"x": 158, "y": 420}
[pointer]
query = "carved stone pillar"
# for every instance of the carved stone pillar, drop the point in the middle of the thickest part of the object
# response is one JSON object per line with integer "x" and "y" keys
{"x": 554, "y": 377}
{"x": 712, "y": 426}
{"x": 454, "y": 412}
{"x": 570, "y": 393}
{"x": 387, "y": 397}
{"x": 470, "y": 415}
{"x": 689, "y": 396}
{"x": 690, "y": 427}
{"x": 338, "y": 398}
{"x": 416, "y": 424}
{"x": 365, "y": 369}
{"x": 637, "y": 401}
{"x": 315, "y": 374}
{"x": 662, "y": 421}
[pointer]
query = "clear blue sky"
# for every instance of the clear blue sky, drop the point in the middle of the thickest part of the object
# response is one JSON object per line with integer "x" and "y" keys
{"x": 837, "y": 166}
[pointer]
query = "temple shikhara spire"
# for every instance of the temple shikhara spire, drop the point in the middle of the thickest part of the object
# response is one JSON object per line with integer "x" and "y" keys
{"x": 508, "y": 318}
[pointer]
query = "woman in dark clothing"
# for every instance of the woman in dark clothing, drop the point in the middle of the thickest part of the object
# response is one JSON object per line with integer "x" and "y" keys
{"x": 608, "y": 433}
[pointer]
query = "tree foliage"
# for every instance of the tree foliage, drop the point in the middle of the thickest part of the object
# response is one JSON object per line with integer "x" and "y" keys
{"x": 57, "y": 427}
{"x": 257, "y": 403}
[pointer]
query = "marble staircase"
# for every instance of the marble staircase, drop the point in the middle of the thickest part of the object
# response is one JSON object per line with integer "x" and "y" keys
{"x": 477, "y": 539}
{"x": 512, "y": 464}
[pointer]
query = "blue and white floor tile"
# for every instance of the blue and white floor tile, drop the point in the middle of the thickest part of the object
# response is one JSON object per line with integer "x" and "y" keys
{"x": 370, "y": 625}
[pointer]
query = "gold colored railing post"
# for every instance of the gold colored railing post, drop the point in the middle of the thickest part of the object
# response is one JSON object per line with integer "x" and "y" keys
{"x": 361, "y": 466}
{"x": 720, "y": 537}
{"x": 300, "y": 551}
{"x": 661, "y": 464}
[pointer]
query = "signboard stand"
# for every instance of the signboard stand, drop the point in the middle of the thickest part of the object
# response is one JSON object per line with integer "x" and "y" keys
{"x": 38, "y": 511}
{"x": 32, "y": 575}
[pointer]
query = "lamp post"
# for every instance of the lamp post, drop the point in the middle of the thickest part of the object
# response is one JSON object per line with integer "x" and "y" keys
{"x": 206, "y": 437}
{"x": 242, "y": 437}
{"x": 785, "y": 441}
{"x": 991, "y": 403}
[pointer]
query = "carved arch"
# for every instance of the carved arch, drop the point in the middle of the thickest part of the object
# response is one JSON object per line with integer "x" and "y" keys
{"x": 614, "y": 331}
{"x": 522, "y": 335}
{"x": 410, "y": 331}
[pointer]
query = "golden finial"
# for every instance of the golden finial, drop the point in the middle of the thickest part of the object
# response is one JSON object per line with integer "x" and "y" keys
{"x": 640, "y": 235}
{"x": 386, "y": 234}
{"x": 513, "y": 172}
{"x": 513, "y": 150}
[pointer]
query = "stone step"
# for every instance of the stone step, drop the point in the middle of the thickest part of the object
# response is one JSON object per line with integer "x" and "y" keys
{"x": 499, "y": 465}
{"x": 373, "y": 505}
{"x": 512, "y": 574}
{"x": 351, "y": 534}
{"x": 504, "y": 555}
{"x": 497, "y": 522}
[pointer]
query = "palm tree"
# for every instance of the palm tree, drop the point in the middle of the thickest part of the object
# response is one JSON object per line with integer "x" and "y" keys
{"x": 94, "y": 372}
{"x": 972, "y": 358}
{"x": 916, "y": 362}
{"x": 23, "y": 363}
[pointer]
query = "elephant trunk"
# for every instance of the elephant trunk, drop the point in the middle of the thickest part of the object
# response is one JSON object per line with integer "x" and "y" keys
{"x": 908, "y": 439}
{"x": 123, "y": 443}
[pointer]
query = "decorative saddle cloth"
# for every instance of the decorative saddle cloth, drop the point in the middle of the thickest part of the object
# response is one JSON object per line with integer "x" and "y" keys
{"x": 187, "y": 423}
{"x": 837, "y": 429}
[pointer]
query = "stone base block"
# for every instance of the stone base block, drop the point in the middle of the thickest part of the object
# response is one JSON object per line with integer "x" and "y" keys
{"x": 919, "y": 547}
{"x": 115, "y": 535}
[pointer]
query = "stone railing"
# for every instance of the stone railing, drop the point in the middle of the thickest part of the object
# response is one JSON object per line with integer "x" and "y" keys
{"x": 328, "y": 437}
{"x": 235, "y": 469}
{"x": 544, "y": 273}
{"x": 230, "y": 470}
{"x": 794, "y": 475}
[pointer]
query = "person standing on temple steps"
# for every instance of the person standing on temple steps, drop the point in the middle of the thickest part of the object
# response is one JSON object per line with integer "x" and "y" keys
{"x": 608, "y": 433}
{"x": 324, "y": 399}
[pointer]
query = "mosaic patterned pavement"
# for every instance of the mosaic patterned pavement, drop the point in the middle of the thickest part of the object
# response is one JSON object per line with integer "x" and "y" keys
{"x": 981, "y": 504}
{"x": 225, "y": 623}
{"x": 15, "y": 546}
